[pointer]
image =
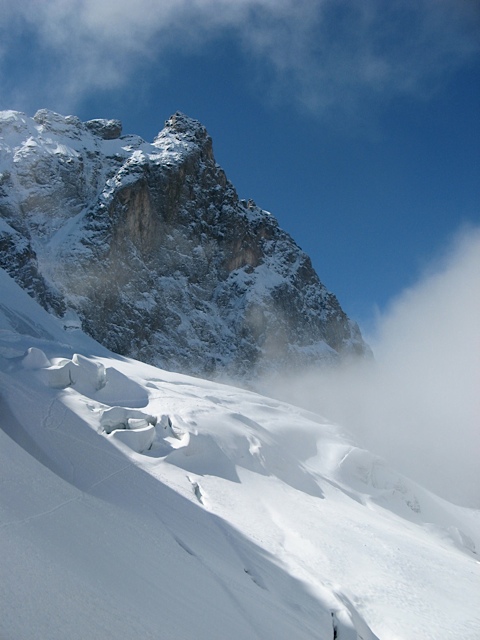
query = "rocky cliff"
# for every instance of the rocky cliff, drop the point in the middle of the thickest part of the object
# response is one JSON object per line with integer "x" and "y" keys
{"x": 150, "y": 248}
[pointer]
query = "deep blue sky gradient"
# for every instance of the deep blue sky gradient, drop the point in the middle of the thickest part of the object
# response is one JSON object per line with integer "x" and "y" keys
{"x": 372, "y": 195}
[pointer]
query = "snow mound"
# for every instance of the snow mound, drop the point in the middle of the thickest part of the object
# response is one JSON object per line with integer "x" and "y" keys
{"x": 35, "y": 359}
{"x": 137, "y": 438}
{"x": 123, "y": 418}
{"x": 78, "y": 371}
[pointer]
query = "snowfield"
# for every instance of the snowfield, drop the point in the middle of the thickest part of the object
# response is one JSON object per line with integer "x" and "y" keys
{"x": 136, "y": 502}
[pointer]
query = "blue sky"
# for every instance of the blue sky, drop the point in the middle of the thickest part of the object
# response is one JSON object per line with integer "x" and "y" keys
{"x": 355, "y": 123}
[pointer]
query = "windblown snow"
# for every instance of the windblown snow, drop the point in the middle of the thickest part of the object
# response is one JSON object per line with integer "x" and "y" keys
{"x": 141, "y": 503}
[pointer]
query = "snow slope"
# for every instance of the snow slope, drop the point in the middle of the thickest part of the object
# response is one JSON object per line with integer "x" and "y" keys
{"x": 141, "y": 503}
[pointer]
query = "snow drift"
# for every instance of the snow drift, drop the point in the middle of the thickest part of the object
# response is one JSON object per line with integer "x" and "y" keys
{"x": 139, "y": 502}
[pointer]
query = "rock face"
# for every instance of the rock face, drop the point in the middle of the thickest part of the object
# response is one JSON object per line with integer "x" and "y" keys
{"x": 150, "y": 246}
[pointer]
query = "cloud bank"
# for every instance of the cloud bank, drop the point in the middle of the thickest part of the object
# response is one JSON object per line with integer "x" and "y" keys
{"x": 322, "y": 54}
{"x": 418, "y": 404}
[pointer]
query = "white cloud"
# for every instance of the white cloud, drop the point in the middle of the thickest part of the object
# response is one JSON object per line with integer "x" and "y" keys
{"x": 344, "y": 54}
{"x": 429, "y": 357}
{"x": 418, "y": 404}
{"x": 323, "y": 54}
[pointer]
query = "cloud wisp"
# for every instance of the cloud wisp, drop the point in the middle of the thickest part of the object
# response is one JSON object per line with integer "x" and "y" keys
{"x": 418, "y": 403}
{"x": 322, "y": 54}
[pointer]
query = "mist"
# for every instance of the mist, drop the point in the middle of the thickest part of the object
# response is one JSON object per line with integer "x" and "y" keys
{"x": 417, "y": 403}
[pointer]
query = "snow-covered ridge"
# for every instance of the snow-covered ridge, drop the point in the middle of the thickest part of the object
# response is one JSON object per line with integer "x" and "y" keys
{"x": 138, "y": 502}
{"x": 151, "y": 247}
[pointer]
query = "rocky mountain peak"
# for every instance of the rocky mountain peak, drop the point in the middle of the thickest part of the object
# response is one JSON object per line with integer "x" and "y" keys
{"x": 190, "y": 128}
{"x": 106, "y": 129}
{"x": 150, "y": 246}
{"x": 51, "y": 121}
{"x": 186, "y": 131}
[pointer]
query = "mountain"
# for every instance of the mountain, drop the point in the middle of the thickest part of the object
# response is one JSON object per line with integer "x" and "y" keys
{"x": 141, "y": 503}
{"x": 150, "y": 250}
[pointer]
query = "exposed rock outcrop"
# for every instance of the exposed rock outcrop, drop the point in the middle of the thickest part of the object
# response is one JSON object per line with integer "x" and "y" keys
{"x": 106, "y": 129}
{"x": 151, "y": 246}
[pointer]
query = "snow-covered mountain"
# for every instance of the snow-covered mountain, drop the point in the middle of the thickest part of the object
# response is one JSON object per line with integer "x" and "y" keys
{"x": 140, "y": 503}
{"x": 149, "y": 247}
